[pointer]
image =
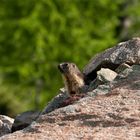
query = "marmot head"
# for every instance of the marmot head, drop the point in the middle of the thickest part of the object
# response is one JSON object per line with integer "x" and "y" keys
{"x": 68, "y": 68}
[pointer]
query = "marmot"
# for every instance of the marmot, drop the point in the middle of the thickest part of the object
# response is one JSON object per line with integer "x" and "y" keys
{"x": 73, "y": 78}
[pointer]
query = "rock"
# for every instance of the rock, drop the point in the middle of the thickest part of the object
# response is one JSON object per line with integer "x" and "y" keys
{"x": 108, "y": 111}
{"x": 126, "y": 52}
{"x": 114, "y": 114}
{"x": 24, "y": 119}
{"x": 113, "y": 58}
{"x": 103, "y": 76}
{"x": 106, "y": 75}
{"x": 5, "y": 124}
{"x": 122, "y": 67}
{"x": 129, "y": 77}
{"x": 56, "y": 101}
{"x": 100, "y": 90}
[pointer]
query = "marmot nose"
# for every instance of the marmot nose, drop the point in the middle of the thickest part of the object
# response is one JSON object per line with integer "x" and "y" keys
{"x": 65, "y": 65}
{"x": 62, "y": 67}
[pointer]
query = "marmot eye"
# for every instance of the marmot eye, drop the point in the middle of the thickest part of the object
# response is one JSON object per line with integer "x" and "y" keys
{"x": 73, "y": 65}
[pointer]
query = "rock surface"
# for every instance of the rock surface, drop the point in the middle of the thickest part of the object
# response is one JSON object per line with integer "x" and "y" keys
{"x": 5, "y": 124}
{"x": 24, "y": 119}
{"x": 106, "y": 75}
{"x": 109, "y": 111}
{"x": 126, "y": 52}
{"x": 103, "y": 76}
{"x": 56, "y": 102}
{"x": 113, "y": 116}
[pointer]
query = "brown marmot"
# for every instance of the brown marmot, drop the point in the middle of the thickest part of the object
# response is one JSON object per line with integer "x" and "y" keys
{"x": 73, "y": 78}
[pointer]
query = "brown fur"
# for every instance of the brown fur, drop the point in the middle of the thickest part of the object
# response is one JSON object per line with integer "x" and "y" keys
{"x": 73, "y": 77}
